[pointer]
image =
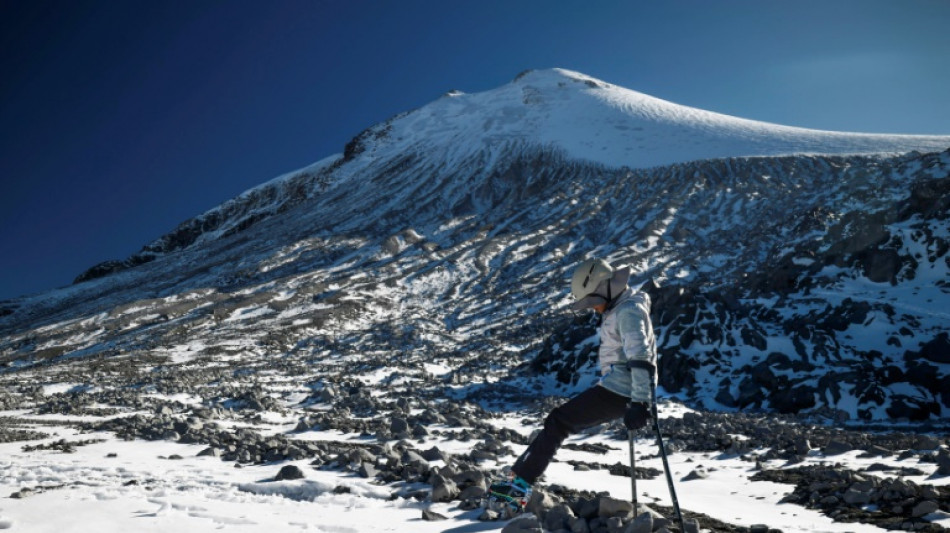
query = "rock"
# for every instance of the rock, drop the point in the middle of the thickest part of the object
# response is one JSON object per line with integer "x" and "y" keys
{"x": 368, "y": 471}
{"x": 579, "y": 525}
{"x": 541, "y": 502}
{"x": 289, "y": 472}
{"x": 615, "y": 524}
{"x": 433, "y": 454}
{"x": 856, "y": 497}
{"x": 926, "y": 442}
{"x": 586, "y": 508}
{"x": 399, "y": 426}
{"x": 523, "y": 524}
{"x": 836, "y": 447}
{"x": 643, "y": 523}
{"x": 475, "y": 492}
{"x": 924, "y": 508}
{"x": 802, "y": 446}
{"x": 610, "y": 507}
{"x": 488, "y": 515}
{"x": 691, "y": 525}
{"x": 558, "y": 517}
{"x": 938, "y": 349}
{"x": 431, "y": 516}
{"x": 698, "y": 473}
{"x": 469, "y": 478}
{"x": 444, "y": 490}
{"x": 209, "y": 452}
{"x": 943, "y": 463}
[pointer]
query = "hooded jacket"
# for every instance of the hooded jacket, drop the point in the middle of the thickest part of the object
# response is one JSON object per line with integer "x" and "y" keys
{"x": 626, "y": 333}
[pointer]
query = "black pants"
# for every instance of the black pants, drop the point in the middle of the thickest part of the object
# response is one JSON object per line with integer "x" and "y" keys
{"x": 594, "y": 406}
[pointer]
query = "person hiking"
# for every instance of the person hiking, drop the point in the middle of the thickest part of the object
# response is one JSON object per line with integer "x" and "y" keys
{"x": 626, "y": 335}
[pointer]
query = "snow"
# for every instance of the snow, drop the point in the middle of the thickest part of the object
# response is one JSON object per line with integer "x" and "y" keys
{"x": 596, "y": 121}
{"x": 119, "y": 486}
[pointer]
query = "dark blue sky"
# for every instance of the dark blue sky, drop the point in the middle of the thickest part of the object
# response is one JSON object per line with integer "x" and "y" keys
{"x": 121, "y": 119}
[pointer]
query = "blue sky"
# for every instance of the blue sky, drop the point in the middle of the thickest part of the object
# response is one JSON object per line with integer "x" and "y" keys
{"x": 119, "y": 120}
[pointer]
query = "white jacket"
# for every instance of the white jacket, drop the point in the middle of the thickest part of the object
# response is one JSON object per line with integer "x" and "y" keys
{"x": 626, "y": 334}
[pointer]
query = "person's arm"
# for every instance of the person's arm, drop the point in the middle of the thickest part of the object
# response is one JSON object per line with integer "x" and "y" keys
{"x": 636, "y": 333}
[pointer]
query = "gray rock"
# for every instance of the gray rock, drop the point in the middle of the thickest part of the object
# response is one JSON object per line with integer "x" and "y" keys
{"x": 610, "y": 507}
{"x": 927, "y": 442}
{"x": 209, "y": 452}
{"x": 431, "y": 516}
{"x": 368, "y": 471}
{"x": 698, "y": 473}
{"x": 854, "y": 496}
{"x": 924, "y": 508}
{"x": 615, "y": 524}
{"x": 433, "y": 454}
{"x": 398, "y": 426}
{"x": 410, "y": 457}
{"x": 558, "y": 517}
{"x": 444, "y": 490}
{"x": 289, "y": 472}
{"x": 691, "y": 525}
{"x": 587, "y": 508}
{"x": 643, "y": 523}
{"x": 579, "y": 525}
{"x": 524, "y": 524}
{"x": 836, "y": 447}
{"x": 470, "y": 477}
{"x": 541, "y": 502}
{"x": 473, "y": 492}
{"x": 943, "y": 463}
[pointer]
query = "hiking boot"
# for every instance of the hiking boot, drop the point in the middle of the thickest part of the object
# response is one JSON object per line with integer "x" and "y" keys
{"x": 509, "y": 496}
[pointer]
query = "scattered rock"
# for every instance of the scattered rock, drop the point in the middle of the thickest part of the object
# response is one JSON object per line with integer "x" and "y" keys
{"x": 924, "y": 508}
{"x": 643, "y": 523}
{"x": 610, "y": 507}
{"x": 444, "y": 490}
{"x": 523, "y": 524}
{"x": 697, "y": 473}
{"x": 431, "y": 516}
{"x": 289, "y": 472}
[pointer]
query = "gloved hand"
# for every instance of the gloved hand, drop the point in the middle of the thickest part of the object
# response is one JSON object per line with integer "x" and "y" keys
{"x": 636, "y": 416}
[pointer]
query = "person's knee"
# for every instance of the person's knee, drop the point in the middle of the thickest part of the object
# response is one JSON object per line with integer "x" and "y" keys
{"x": 558, "y": 424}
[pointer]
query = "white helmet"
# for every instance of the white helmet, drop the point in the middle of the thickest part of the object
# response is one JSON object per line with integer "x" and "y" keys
{"x": 596, "y": 282}
{"x": 588, "y": 275}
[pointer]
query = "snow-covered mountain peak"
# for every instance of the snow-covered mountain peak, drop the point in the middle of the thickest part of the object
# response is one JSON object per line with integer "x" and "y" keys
{"x": 596, "y": 121}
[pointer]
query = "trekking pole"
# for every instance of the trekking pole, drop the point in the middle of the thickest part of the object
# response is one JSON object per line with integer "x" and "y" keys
{"x": 633, "y": 472}
{"x": 651, "y": 369}
{"x": 666, "y": 463}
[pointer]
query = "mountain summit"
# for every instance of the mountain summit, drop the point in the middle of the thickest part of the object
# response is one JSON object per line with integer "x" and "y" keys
{"x": 595, "y": 121}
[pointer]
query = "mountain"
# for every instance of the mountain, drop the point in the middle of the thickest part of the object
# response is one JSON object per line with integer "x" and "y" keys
{"x": 390, "y": 324}
{"x": 798, "y": 270}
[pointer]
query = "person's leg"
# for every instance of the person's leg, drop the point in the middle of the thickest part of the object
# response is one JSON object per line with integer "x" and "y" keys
{"x": 589, "y": 408}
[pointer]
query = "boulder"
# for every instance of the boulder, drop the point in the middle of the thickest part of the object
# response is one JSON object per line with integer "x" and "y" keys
{"x": 432, "y": 516}
{"x": 610, "y": 507}
{"x": 444, "y": 490}
{"x": 289, "y": 472}
{"x": 523, "y": 524}
{"x": 643, "y": 523}
{"x": 924, "y": 508}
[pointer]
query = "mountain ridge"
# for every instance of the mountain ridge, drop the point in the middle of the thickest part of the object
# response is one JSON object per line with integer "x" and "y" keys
{"x": 636, "y": 131}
